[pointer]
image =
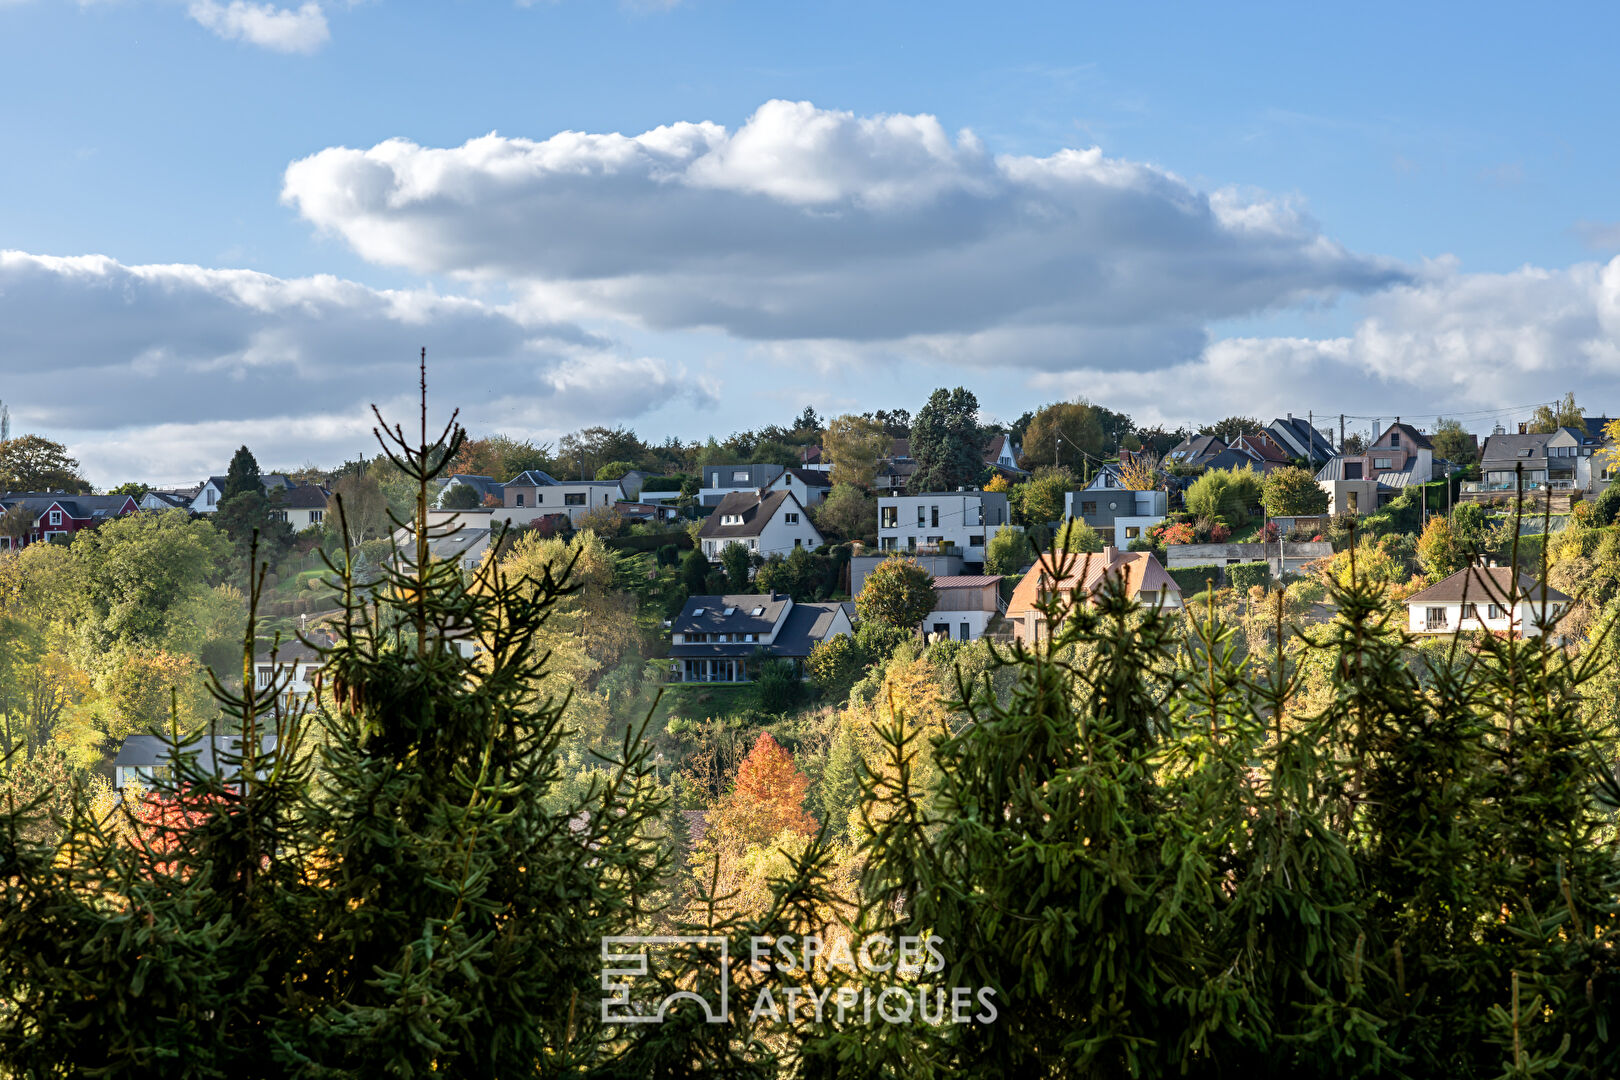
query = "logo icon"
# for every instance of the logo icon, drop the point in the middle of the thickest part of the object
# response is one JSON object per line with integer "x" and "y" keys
{"x": 628, "y": 957}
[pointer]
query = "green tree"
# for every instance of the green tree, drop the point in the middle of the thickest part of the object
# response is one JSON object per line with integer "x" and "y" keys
{"x": 855, "y": 445}
{"x": 460, "y": 497}
{"x": 1062, "y": 432}
{"x": 1607, "y": 506}
{"x": 838, "y": 790}
{"x": 1008, "y": 552}
{"x": 365, "y": 508}
{"x": 694, "y": 571}
{"x": 247, "y": 516}
{"x": 847, "y": 513}
{"x": 1043, "y": 497}
{"x": 1437, "y": 549}
{"x": 897, "y": 593}
{"x": 734, "y": 560}
{"x": 243, "y": 476}
{"x": 134, "y": 488}
{"x": 16, "y": 523}
{"x": 1077, "y": 537}
{"x": 1226, "y": 493}
{"x": 1230, "y": 428}
{"x": 1291, "y": 492}
{"x": 947, "y": 443}
{"x": 35, "y": 463}
{"x": 1453, "y": 442}
{"x": 614, "y": 470}
{"x": 1549, "y": 418}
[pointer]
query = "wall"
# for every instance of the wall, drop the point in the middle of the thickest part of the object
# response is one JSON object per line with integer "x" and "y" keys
{"x": 1295, "y": 557}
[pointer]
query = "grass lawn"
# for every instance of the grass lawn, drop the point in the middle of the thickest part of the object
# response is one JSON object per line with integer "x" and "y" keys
{"x": 734, "y": 703}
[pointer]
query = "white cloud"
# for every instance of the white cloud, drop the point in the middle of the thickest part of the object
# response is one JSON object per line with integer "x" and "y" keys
{"x": 810, "y": 223}
{"x": 292, "y": 30}
{"x": 145, "y": 369}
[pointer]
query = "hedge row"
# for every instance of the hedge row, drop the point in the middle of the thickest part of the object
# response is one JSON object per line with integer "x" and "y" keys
{"x": 1244, "y": 576}
{"x": 679, "y": 538}
{"x": 1195, "y": 579}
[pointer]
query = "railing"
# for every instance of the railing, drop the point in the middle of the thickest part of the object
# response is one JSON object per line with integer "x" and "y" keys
{"x": 1508, "y": 487}
{"x": 1431, "y": 625}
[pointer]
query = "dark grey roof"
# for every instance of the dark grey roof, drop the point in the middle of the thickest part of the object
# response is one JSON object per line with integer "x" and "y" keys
{"x": 291, "y": 652}
{"x": 302, "y": 497}
{"x": 1594, "y": 427}
{"x": 533, "y": 478}
{"x": 714, "y": 620}
{"x": 1334, "y": 470}
{"x": 1509, "y": 449}
{"x": 806, "y": 625}
{"x": 141, "y": 751}
{"x": 811, "y": 477}
{"x": 1196, "y": 450}
{"x": 754, "y": 511}
{"x": 77, "y": 506}
{"x": 484, "y": 485}
{"x": 1300, "y": 437}
{"x": 1487, "y": 586}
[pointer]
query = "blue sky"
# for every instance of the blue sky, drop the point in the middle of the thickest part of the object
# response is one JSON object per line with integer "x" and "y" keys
{"x": 1373, "y": 209}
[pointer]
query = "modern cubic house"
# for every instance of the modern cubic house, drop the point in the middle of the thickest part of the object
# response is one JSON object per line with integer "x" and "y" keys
{"x": 942, "y": 521}
{"x": 726, "y": 638}
{"x": 722, "y": 480}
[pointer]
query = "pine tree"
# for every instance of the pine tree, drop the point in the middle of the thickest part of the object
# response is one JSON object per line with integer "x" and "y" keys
{"x": 243, "y": 475}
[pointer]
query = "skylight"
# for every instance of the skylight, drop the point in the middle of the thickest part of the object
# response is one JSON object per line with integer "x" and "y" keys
{"x": 697, "y": 611}
{"x": 731, "y": 611}
{"x": 757, "y": 611}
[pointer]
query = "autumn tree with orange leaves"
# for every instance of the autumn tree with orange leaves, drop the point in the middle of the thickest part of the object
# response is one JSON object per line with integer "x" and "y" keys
{"x": 768, "y": 797}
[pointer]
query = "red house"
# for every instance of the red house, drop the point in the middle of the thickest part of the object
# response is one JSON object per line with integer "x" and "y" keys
{"x": 56, "y": 514}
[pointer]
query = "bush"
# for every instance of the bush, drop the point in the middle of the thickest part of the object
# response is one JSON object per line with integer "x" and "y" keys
{"x": 1248, "y": 575}
{"x": 778, "y": 686}
{"x": 1606, "y": 507}
{"x": 1225, "y": 493}
{"x": 1077, "y": 537}
{"x": 1192, "y": 579}
{"x": 1008, "y": 552}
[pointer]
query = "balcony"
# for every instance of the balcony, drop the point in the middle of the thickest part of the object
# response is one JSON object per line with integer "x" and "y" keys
{"x": 1509, "y": 487}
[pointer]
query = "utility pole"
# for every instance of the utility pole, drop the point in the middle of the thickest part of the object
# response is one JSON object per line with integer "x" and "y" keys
{"x": 1341, "y": 433}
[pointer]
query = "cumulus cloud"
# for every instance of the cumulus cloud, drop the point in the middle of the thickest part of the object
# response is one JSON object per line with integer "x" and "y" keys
{"x": 808, "y": 223}
{"x": 291, "y": 30}
{"x": 144, "y": 369}
{"x": 1446, "y": 343}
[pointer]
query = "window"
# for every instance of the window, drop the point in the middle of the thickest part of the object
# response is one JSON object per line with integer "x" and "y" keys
{"x": 791, "y": 519}
{"x": 891, "y": 517}
{"x": 1383, "y": 463}
{"x": 1132, "y": 531}
{"x": 751, "y": 637}
{"x": 740, "y": 476}
{"x": 886, "y": 543}
{"x": 729, "y": 611}
{"x": 943, "y": 629}
{"x": 316, "y": 516}
{"x": 1470, "y": 611}
{"x": 967, "y": 631}
{"x": 539, "y": 497}
{"x": 1352, "y": 470}
{"x": 1434, "y": 618}
{"x": 756, "y": 613}
{"x": 1394, "y": 438}
{"x": 519, "y": 499}
{"x": 1088, "y": 508}
{"x": 275, "y": 515}
{"x": 976, "y": 541}
{"x": 752, "y": 544}
{"x": 572, "y": 499}
{"x": 922, "y": 516}
{"x": 1492, "y": 611}
{"x": 934, "y": 517}
{"x": 212, "y": 495}
{"x": 697, "y": 611}
{"x": 798, "y": 541}
{"x": 264, "y": 677}
{"x": 1353, "y": 501}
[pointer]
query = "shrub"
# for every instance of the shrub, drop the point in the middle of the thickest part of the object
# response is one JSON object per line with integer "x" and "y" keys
{"x": 1077, "y": 536}
{"x": 1607, "y": 507}
{"x": 1249, "y": 575}
{"x": 1225, "y": 493}
{"x": 778, "y": 686}
{"x": 1192, "y": 579}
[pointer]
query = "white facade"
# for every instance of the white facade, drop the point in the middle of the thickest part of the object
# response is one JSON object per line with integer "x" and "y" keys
{"x": 807, "y": 495}
{"x": 957, "y": 625}
{"x": 964, "y": 519}
{"x": 576, "y": 498}
{"x": 1446, "y": 617}
{"x": 787, "y": 528}
{"x": 208, "y": 499}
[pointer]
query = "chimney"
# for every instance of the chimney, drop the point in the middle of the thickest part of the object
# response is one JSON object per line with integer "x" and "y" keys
{"x": 1110, "y": 555}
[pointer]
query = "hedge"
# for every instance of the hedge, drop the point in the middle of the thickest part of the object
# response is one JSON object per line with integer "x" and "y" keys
{"x": 648, "y": 542}
{"x": 1194, "y": 579}
{"x": 1249, "y": 574}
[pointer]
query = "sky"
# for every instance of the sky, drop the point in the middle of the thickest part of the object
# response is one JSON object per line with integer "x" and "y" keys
{"x": 227, "y": 222}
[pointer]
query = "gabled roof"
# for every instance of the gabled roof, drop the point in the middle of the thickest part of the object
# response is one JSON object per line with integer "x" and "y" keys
{"x": 1595, "y": 425}
{"x": 1195, "y": 450}
{"x": 809, "y": 477}
{"x": 1487, "y": 585}
{"x": 484, "y": 485}
{"x": 742, "y": 619}
{"x": 302, "y": 497}
{"x": 1507, "y": 449}
{"x": 1412, "y": 434}
{"x": 142, "y": 751}
{"x": 533, "y": 478}
{"x": 754, "y": 510}
{"x": 78, "y": 507}
{"x": 1296, "y": 433}
{"x": 1262, "y": 446}
{"x": 1139, "y": 570}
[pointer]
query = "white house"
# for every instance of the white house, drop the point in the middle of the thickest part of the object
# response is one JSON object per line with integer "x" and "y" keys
{"x": 724, "y": 638}
{"x": 291, "y": 671}
{"x": 964, "y": 606}
{"x": 1485, "y": 598}
{"x": 766, "y": 523}
{"x": 537, "y": 494}
{"x": 148, "y": 760}
{"x": 212, "y": 492}
{"x": 809, "y": 486}
{"x": 301, "y": 506}
{"x": 965, "y": 520}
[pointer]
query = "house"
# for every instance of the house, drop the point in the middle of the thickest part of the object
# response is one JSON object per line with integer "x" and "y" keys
{"x": 726, "y": 638}
{"x": 631, "y": 482}
{"x": 488, "y": 488}
{"x": 54, "y": 514}
{"x": 1496, "y": 598}
{"x": 302, "y": 507}
{"x": 1119, "y": 515}
{"x": 1001, "y": 455}
{"x": 964, "y": 606}
{"x": 894, "y": 472}
{"x": 962, "y": 521}
{"x": 466, "y": 545}
{"x": 937, "y": 564}
{"x": 765, "y": 522}
{"x": 1361, "y": 483}
{"x": 1301, "y": 440}
{"x": 160, "y": 499}
{"x": 722, "y": 480}
{"x": 1555, "y": 461}
{"x": 1262, "y": 450}
{"x": 1196, "y": 452}
{"x": 291, "y": 672}
{"x": 534, "y": 494}
{"x": 809, "y": 486}
{"x": 147, "y": 759}
{"x": 1142, "y": 577}
{"x": 212, "y": 491}
{"x": 647, "y": 511}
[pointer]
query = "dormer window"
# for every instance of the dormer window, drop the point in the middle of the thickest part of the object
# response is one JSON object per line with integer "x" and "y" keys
{"x": 740, "y": 476}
